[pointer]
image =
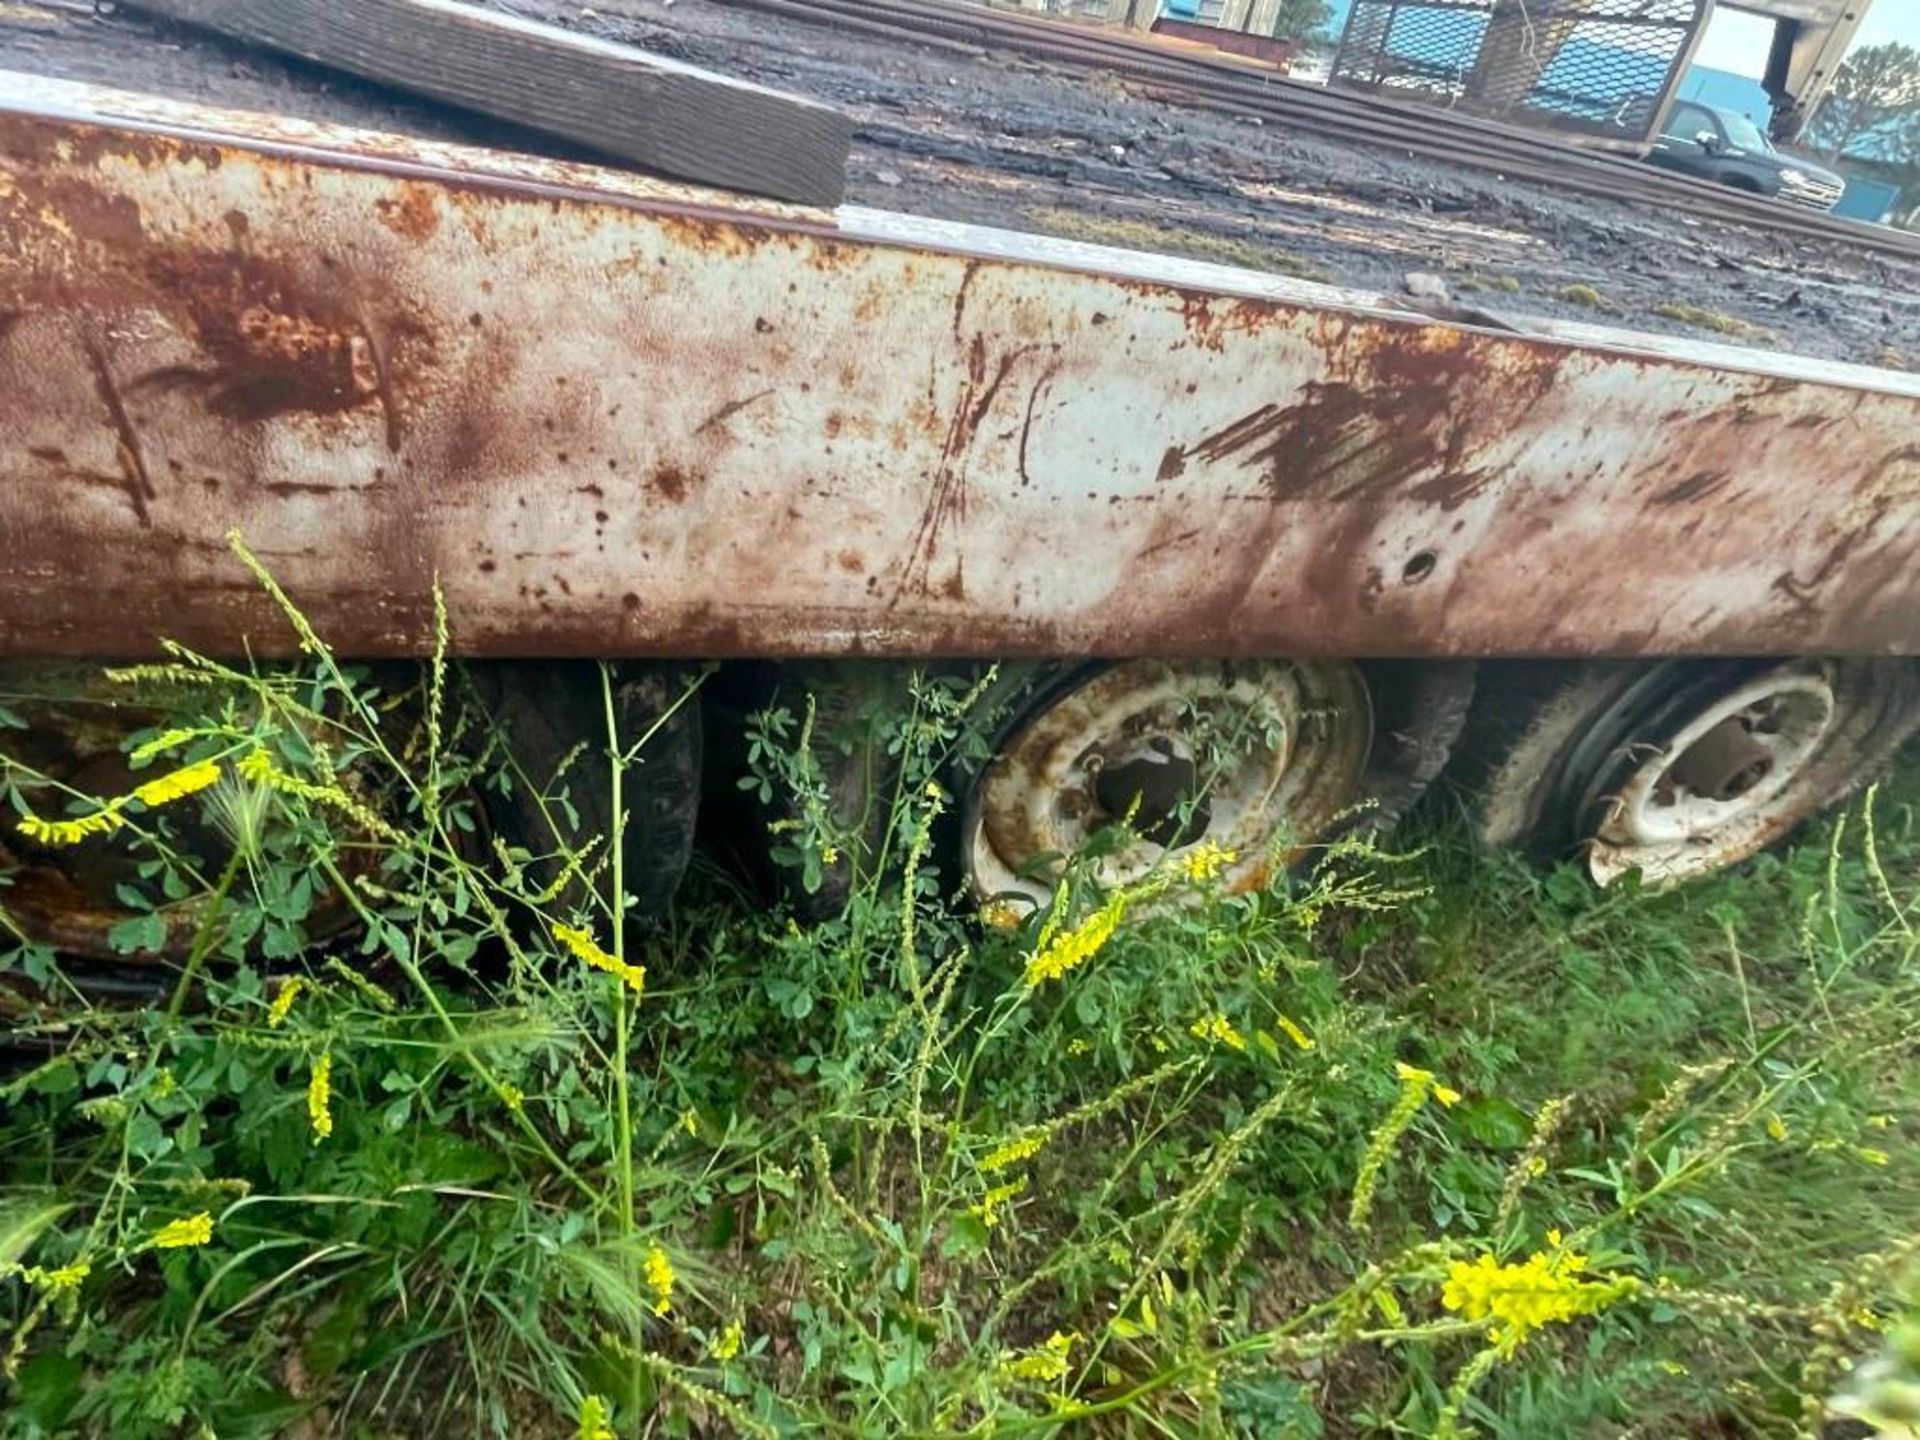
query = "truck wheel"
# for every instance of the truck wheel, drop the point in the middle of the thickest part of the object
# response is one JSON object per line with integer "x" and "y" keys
{"x": 76, "y": 724}
{"x": 1678, "y": 769}
{"x": 70, "y": 899}
{"x": 1265, "y": 758}
{"x": 551, "y": 718}
{"x": 849, "y": 769}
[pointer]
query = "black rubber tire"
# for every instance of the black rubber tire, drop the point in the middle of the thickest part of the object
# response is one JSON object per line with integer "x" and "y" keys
{"x": 1418, "y": 711}
{"x": 852, "y": 701}
{"x": 549, "y": 710}
{"x": 1546, "y": 742}
{"x": 1420, "y": 708}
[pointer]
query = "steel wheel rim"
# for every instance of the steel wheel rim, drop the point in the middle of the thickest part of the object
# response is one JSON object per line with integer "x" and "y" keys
{"x": 1733, "y": 775}
{"x": 1308, "y": 726}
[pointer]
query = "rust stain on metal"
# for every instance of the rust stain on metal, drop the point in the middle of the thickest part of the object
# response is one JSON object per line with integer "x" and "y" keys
{"x": 133, "y": 465}
{"x": 270, "y": 345}
{"x": 613, "y": 416}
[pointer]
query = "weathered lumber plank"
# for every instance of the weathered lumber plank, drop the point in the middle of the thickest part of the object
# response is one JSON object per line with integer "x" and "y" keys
{"x": 644, "y": 109}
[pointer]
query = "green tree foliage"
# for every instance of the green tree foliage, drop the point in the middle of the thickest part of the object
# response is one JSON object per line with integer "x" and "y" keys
{"x": 1873, "y": 110}
{"x": 1302, "y": 19}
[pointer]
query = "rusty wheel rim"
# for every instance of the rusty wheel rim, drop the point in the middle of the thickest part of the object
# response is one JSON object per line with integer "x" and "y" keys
{"x": 1735, "y": 774}
{"x": 65, "y": 898}
{"x": 76, "y": 723}
{"x": 1258, "y": 757}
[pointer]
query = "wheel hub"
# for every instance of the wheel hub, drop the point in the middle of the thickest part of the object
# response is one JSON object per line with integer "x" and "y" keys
{"x": 1723, "y": 764}
{"x": 1157, "y": 789}
{"x": 1235, "y": 754}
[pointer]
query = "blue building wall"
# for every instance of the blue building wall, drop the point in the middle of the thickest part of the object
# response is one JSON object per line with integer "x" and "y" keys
{"x": 1866, "y": 199}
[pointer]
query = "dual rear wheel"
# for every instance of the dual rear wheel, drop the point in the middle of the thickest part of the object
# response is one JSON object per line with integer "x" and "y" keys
{"x": 1673, "y": 770}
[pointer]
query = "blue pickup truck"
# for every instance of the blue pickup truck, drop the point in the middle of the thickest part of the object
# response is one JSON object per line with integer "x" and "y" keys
{"x": 1725, "y": 146}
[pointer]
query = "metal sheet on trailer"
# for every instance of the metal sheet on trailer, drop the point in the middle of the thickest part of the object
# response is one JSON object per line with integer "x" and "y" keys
{"x": 615, "y": 416}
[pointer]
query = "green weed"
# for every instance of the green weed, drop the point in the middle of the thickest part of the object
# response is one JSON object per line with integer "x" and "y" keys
{"x": 1588, "y": 298}
{"x": 1717, "y": 321}
{"x": 1410, "y": 1143}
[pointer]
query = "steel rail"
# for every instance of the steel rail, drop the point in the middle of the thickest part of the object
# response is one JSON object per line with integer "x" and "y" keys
{"x": 1226, "y": 88}
{"x": 607, "y": 415}
{"x": 1517, "y": 151}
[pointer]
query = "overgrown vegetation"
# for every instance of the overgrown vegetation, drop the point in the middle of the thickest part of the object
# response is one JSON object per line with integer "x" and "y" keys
{"x": 1414, "y": 1143}
{"x": 1588, "y": 298}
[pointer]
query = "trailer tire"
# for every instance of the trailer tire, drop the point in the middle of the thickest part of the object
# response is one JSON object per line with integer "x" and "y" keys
{"x": 552, "y": 720}
{"x": 1676, "y": 769}
{"x": 69, "y": 899}
{"x": 852, "y": 702}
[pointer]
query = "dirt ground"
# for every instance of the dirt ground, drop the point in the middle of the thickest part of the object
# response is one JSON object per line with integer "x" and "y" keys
{"x": 1000, "y": 140}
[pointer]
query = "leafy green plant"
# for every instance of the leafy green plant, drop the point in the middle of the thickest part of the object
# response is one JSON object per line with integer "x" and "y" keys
{"x": 422, "y": 1138}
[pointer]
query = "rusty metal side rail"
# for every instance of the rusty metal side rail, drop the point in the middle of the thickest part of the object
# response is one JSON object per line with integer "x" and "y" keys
{"x": 618, "y": 417}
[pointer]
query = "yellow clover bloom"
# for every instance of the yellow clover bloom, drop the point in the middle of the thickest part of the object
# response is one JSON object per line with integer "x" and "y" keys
{"x": 183, "y": 1234}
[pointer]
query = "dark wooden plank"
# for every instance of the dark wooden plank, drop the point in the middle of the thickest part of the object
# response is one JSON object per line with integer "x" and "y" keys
{"x": 643, "y": 109}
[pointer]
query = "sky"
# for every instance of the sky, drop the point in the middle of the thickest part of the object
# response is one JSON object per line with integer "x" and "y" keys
{"x": 1737, "y": 42}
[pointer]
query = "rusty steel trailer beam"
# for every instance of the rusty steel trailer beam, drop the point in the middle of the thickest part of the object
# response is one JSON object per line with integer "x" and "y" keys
{"x": 613, "y": 416}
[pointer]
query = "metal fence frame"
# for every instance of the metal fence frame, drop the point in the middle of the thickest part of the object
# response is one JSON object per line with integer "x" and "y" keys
{"x": 1606, "y": 70}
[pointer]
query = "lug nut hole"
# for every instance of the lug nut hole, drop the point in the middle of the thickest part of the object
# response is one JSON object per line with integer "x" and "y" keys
{"x": 1419, "y": 567}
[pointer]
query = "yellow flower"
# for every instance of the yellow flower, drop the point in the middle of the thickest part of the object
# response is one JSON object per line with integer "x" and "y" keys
{"x": 690, "y": 1122}
{"x": 727, "y": 1343}
{"x": 283, "y": 1000}
{"x": 1871, "y": 1155}
{"x": 987, "y": 1211}
{"x": 583, "y": 947}
{"x": 1218, "y": 1029}
{"x": 1416, "y": 1085}
{"x": 1012, "y": 1152}
{"x": 1776, "y": 1127}
{"x": 70, "y": 832}
{"x": 1205, "y": 861}
{"x": 55, "y": 1282}
{"x": 179, "y": 784}
{"x": 1079, "y": 1045}
{"x": 256, "y": 765}
{"x": 1294, "y": 1033}
{"x": 320, "y": 1096}
{"x": 181, "y": 1234}
{"x": 1545, "y": 1289}
{"x": 1426, "y": 1082}
{"x": 1073, "y": 948}
{"x": 512, "y": 1095}
{"x": 593, "y": 1420}
{"x": 1043, "y": 1363}
{"x": 659, "y": 1271}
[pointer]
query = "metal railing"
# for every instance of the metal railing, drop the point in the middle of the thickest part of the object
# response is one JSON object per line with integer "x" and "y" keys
{"x": 1595, "y": 67}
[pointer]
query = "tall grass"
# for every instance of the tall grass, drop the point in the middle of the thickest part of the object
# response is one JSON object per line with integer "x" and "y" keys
{"x": 1413, "y": 1143}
